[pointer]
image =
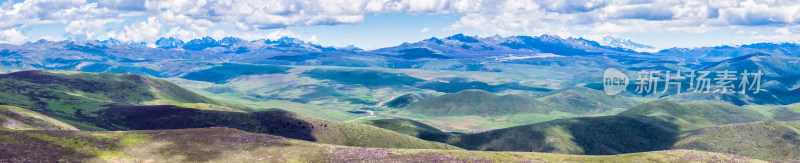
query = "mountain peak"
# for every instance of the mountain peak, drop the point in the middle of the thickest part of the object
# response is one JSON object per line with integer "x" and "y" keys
{"x": 286, "y": 40}
{"x": 111, "y": 41}
{"x": 624, "y": 43}
{"x": 230, "y": 40}
{"x": 201, "y": 43}
{"x": 168, "y": 43}
{"x": 463, "y": 38}
{"x": 434, "y": 40}
{"x": 549, "y": 37}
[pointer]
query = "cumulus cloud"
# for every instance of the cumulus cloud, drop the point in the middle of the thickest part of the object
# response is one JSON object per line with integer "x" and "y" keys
{"x": 138, "y": 32}
{"x": 196, "y": 17}
{"x": 12, "y": 36}
{"x": 782, "y": 34}
{"x": 33, "y": 12}
{"x": 180, "y": 33}
{"x": 278, "y": 33}
{"x": 256, "y": 14}
{"x": 86, "y": 29}
{"x": 631, "y": 16}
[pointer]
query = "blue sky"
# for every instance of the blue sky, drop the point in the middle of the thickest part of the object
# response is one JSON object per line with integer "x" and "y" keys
{"x": 373, "y": 24}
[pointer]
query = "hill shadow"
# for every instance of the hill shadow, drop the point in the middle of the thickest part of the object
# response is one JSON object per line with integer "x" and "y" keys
{"x": 622, "y": 134}
{"x": 525, "y": 139}
{"x": 594, "y": 135}
{"x": 274, "y": 122}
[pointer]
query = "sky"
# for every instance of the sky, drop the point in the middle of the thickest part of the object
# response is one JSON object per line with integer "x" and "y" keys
{"x": 372, "y": 24}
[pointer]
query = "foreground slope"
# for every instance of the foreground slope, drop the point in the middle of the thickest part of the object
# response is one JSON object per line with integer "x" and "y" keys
{"x": 769, "y": 140}
{"x": 276, "y": 122}
{"x": 75, "y": 95}
{"x": 229, "y": 145}
{"x": 23, "y": 119}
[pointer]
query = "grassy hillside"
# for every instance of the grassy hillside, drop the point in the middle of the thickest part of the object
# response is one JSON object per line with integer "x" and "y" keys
{"x": 275, "y": 122}
{"x": 778, "y": 112}
{"x": 222, "y": 73}
{"x": 402, "y": 101}
{"x": 98, "y": 101}
{"x": 655, "y": 125}
{"x": 410, "y": 127}
{"x": 229, "y": 145}
{"x": 367, "y": 78}
{"x": 585, "y": 135}
{"x": 768, "y": 140}
{"x": 476, "y": 102}
{"x": 694, "y": 115}
{"x": 576, "y": 100}
{"x": 582, "y": 100}
{"x": 74, "y": 96}
{"x": 22, "y": 119}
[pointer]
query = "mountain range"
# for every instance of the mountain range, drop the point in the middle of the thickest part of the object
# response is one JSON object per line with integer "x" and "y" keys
{"x": 291, "y": 100}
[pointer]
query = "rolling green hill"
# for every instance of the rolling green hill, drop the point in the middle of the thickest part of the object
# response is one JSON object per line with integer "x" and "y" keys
{"x": 275, "y": 122}
{"x": 694, "y": 115}
{"x": 575, "y": 100}
{"x": 583, "y": 135}
{"x": 98, "y": 101}
{"x": 779, "y": 112}
{"x": 655, "y": 125}
{"x": 582, "y": 100}
{"x": 74, "y": 96}
{"x": 21, "y": 119}
{"x": 768, "y": 140}
{"x": 230, "y": 145}
{"x": 476, "y": 102}
{"x": 402, "y": 101}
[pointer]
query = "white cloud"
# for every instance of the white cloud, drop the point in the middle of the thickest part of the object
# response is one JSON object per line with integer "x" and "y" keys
{"x": 33, "y": 12}
{"x": 137, "y": 32}
{"x": 609, "y": 27}
{"x": 12, "y": 36}
{"x": 424, "y": 30}
{"x": 312, "y": 39}
{"x": 256, "y": 14}
{"x": 86, "y": 29}
{"x": 782, "y": 34}
{"x": 252, "y": 17}
{"x": 744, "y": 32}
{"x": 179, "y": 33}
{"x": 605, "y": 16}
{"x": 278, "y": 33}
{"x": 219, "y": 34}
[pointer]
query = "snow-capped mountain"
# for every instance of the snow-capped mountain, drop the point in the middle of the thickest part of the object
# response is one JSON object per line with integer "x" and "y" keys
{"x": 230, "y": 41}
{"x": 625, "y": 43}
{"x": 115, "y": 42}
{"x": 462, "y": 45}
